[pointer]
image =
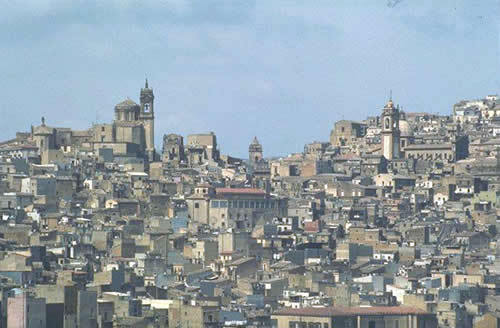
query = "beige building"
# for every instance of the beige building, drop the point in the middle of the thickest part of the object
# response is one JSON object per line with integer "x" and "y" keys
{"x": 233, "y": 207}
{"x": 347, "y": 132}
{"x": 355, "y": 317}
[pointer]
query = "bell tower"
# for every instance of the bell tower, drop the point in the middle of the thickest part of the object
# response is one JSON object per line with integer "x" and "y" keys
{"x": 390, "y": 131}
{"x": 255, "y": 151}
{"x": 148, "y": 119}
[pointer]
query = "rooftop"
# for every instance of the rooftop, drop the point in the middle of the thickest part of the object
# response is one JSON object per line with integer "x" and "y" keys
{"x": 349, "y": 311}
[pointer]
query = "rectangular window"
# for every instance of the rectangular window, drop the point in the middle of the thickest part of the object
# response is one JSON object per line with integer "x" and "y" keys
{"x": 215, "y": 204}
{"x": 230, "y": 203}
{"x": 241, "y": 204}
{"x": 247, "y": 205}
{"x": 252, "y": 204}
{"x": 223, "y": 203}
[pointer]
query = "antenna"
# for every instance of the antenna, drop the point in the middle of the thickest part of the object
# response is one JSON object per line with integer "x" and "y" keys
{"x": 390, "y": 95}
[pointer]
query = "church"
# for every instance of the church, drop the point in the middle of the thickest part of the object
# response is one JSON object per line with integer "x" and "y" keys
{"x": 129, "y": 138}
{"x": 132, "y": 131}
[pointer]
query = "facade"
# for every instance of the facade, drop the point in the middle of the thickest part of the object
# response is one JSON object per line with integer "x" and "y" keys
{"x": 25, "y": 311}
{"x": 202, "y": 148}
{"x": 450, "y": 152}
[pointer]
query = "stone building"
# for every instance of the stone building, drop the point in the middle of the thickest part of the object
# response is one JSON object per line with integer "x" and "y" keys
{"x": 201, "y": 148}
{"x": 173, "y": 149}
{"x": 347, "y": 132}
{"x": 450, "y": 152}
{"x": 233, "y": 207}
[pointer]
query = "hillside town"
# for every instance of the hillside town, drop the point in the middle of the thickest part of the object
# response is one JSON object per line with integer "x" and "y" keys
{"x": 389, "y": 222}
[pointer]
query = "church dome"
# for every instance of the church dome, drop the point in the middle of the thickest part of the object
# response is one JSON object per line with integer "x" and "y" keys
{"x": 405, "y": 129}
{"x": 127, "y": 104}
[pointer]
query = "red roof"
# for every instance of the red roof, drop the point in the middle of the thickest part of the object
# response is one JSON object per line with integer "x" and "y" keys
{"x": 351, "y": 311}
{"x": 311, "y": 226}
{"x": 246, "y": 191}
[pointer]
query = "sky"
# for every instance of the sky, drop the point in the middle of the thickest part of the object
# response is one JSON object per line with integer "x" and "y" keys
{"x": 281, "y": 70}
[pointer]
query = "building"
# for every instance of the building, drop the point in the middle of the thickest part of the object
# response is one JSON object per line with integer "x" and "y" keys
{"x": 355, "y": 317}
{"x": 25, "y": 311}
{"x": 173, "y": 149}
{"x": 233, "y": 207}
{"x": 346, "y": 132}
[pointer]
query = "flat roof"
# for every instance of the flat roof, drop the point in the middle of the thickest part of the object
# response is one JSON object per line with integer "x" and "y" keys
{"x": 245, "y": 191}
{"x": 350, "y": 311}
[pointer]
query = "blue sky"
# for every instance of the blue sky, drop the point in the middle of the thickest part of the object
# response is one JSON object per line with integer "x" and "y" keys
{"x": 284, "y": 71}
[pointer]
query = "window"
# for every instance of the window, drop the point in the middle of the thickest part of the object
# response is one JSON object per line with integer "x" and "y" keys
{"x": 215, "y": 204}
{"x": 247, "y": 205}
{"x": 196, "y": 205}
{"x": 252, "y": 204}
{"x": 241, "y": 204}
{"x": 371, "y": 324}
{"x": 223, "y": 203}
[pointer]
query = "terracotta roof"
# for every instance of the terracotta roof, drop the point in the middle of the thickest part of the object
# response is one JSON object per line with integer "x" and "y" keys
{"x": 247, "y": 191}
{"x": 350, "y": 311}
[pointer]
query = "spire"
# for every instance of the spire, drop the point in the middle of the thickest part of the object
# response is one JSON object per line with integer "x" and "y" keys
{"x": 390, "y": 95}
{"x": 146, "y": 84}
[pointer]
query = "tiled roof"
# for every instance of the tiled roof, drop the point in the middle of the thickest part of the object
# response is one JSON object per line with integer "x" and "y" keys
{"x": 350, "y": 311}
